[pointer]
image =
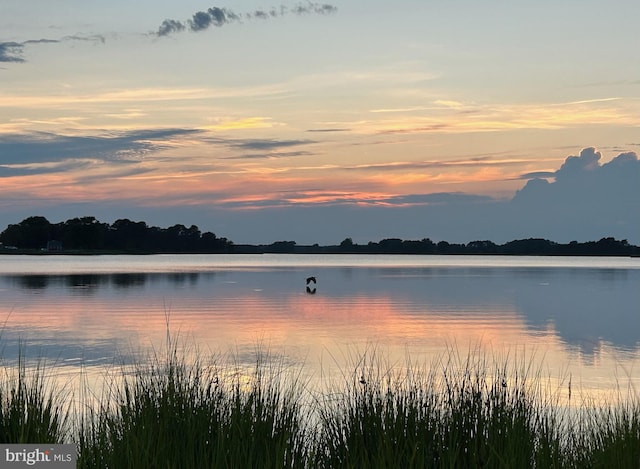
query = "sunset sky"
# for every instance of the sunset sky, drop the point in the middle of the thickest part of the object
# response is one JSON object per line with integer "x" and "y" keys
{"x": 313, "y": 122}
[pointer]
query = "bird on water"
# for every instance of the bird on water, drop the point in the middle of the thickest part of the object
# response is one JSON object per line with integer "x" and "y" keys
{"x": 311, "y": 279}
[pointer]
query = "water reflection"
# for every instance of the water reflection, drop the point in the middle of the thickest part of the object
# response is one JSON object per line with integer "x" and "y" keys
{"x": 120, "y": 280}
{"x": 583, "y": 318}
{"x": 583, "y": 306}
{"x": 90, "y": 281}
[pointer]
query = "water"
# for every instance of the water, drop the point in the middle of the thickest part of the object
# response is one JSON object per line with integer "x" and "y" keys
{"x": 579, "y": 317}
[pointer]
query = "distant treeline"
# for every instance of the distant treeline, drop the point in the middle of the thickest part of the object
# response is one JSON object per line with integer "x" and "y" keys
{"x": 87, "y": 234}
{"x": 522, "y": 247}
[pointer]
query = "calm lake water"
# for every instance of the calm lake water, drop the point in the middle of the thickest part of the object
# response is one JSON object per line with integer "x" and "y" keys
{"x": 579, "y": 317}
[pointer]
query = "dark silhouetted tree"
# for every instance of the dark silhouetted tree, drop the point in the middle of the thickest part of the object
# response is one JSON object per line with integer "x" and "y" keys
{"x": 346, "y": 243}
{"x": 536, "y": 246}
{"x": 83, "y": 233}
{"x": 128, "y": 235}
{"x": 30, "y": 233}
{"x": 482, "y": 247}
{"x": 282, "y": 247}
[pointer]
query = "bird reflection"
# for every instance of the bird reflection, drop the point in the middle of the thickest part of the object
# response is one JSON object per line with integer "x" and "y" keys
{"x": 311, "y": 291}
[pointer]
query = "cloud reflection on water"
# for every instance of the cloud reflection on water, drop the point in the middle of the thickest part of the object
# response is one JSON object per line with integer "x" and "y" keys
{"x": 580, "y": 319}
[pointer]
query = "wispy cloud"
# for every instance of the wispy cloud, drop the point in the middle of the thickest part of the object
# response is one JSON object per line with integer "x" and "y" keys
{"x": 319, "y": 197}
{"x": 260, "y": 144}
{"x": 537, "y": 175}
{"x": 328, "y": 130}
{"x": 11, "y": 52}
{"x": 14, "y": 51}
{"x": 218, "y": 17}
{"x": 260, "y": 149}
{"x": 43, "y": 151}
{"x": 260, "y": 156}
{"x": 242, "y": 124}
{"x": 138, "y": 95}
{"x": 454, "y": 117}
{"x": 401, "y": 109}
{"x": 431, "y": 164}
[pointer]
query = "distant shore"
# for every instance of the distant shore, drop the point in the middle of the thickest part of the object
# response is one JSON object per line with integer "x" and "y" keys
{"x": 373, "y": 249}
{"x": 88, "y": 236}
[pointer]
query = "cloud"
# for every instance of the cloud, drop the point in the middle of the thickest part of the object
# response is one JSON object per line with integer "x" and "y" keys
{"x": 13, "y": 51}
{"x": 329, "y": 130}
{"x": 575, "y": 166}
{"x": 12, "y": 170}
{"x": 259, "y": 156}
{"x": 584, "y": 177}
{"x": 46, "y": 153}
{"x": 438, "y": 198}
{"x": 584, "y": 196}
{"x": 243, "y": 124}
{"x": 212, "y": 17}
{"x": 537, "y": 175}
{"x": 472, "y": 162}
{"x": 169, "y": 27}
{"x": 267, "y": 144}
{"x": 262, "y": 148}
{"x": 585, "y": 199}
{"x": 218, "y": 17}
{"x": 79, "y": 37}
{"x": 502, "y": 117}
{"x": 320, "y": 9}
{"x": 312, "y": 198}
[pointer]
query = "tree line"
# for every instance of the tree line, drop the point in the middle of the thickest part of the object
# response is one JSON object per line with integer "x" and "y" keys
{"x": 522, "y": 247}
{"x": 90, "y": 235}
{"x": 124, "y": 235}
{"x": 530, "y": 246}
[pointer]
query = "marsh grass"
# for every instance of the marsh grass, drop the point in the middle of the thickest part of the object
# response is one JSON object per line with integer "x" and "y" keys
{"x": 465, "y": 411}
{"x": 607, "y": 436}
{"x": 32, "y": 408}
{"x": 169, "y": 413}
{"x": 458, "y": 413}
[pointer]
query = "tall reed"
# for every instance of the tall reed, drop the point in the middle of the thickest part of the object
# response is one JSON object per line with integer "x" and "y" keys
{"x": 175, "y": 410}
{"x": 32, "y": 409}
{"x": 379, "y": 417}
{"x": 458, "y": 413}
{"x": 607, "y": 436}
{"x": 173, "y": 414}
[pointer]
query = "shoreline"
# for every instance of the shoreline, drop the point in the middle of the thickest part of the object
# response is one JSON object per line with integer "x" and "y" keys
{"x": 302, "y": 250}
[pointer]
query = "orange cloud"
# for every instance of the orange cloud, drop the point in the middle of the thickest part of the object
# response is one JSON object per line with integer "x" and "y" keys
{"x": 242, "y": 124}
{"x": 457, "y": 117}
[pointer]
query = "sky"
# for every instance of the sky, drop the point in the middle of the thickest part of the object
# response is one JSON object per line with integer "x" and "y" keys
{"x": 314, "y": 122}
